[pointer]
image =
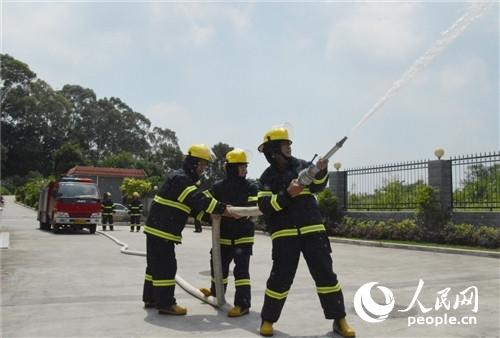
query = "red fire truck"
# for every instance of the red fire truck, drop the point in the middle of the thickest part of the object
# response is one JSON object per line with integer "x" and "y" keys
{"x": 70, "y": 202}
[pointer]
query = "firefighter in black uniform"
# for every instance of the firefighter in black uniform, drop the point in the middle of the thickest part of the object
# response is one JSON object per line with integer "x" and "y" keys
{"x": 293, "y": 219}
{"x": 178, "y": 198}
{"x": 107, "y": 210}
{"x": 236, "y": 235}
{"x": 135, "y": 212}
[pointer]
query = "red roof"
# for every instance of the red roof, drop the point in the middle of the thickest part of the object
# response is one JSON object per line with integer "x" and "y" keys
{"x": 109, "y": 172}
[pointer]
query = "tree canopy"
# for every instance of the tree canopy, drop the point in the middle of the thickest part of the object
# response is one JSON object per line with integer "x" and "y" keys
{"x": 46, "y": 130}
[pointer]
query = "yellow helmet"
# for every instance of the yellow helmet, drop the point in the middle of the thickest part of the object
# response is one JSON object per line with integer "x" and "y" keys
{"x": 135, "y": 194}
{"x": 275, "y": 134}
{"x": 200, "y": 151}
{"x": 236, "y": 156}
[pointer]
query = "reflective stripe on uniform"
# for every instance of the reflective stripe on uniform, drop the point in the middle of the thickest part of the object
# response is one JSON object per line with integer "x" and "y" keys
{"x": 211, "y": 206}
{"x": 200, "y": 215}
{"x": 185, "y": 192}
{"x": 252, "y": 198}
{"x": 320, "y": 180}
{"x": 149, "y": 278}
{"x": 208, "y": 194}
{"x": 244, "y": 240}
{"x": 328, "y": 289}
{"x": 241, "y": 282}
{"x": 305, "y": 191}
{"x": 285, "y": 233}
{"x": 274, "y": 203}
{"x": 172, "y": 204}
{"x": 162, "y": 234}
{"x": 264, "y": 193}
{"x": 163, "y": 282}
{"x": 225, "y": 241}
{"x": 312, "y": 228}
{"x": 276, "y": 295}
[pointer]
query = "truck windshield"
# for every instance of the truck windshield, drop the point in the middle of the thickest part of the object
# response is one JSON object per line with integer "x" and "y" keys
{"x": 81, "y": 190}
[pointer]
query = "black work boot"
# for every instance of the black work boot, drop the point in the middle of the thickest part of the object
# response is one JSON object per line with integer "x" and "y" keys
{"x": 103, "y": 228}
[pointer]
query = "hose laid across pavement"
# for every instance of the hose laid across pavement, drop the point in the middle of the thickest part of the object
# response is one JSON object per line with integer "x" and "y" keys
{"x": 218, "y": 301}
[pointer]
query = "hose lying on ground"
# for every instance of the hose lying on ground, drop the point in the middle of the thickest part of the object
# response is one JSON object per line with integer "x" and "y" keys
{"x": 218, "y": 301}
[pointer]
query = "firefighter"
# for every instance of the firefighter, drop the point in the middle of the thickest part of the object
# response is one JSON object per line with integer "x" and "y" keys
{"x": 178, "y": 198}
{"x": 293, "y": 219}
{"x": 236, "y": 235}
{"x": 135, "y": 212}
{"x": 107, "y": 209}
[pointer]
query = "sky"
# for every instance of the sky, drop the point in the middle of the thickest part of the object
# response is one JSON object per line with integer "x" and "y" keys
{"x": 229, "y": 71}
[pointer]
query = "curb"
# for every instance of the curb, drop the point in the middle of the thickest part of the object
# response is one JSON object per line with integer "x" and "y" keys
{"x": 479, "y": 253}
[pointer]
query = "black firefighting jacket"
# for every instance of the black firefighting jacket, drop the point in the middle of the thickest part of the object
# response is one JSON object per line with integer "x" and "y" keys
{"x": 236, "y": 191}
{"x": 178, "y": 198}
{"x": 107, "y": 207}
{"x": 284, "y": 215}
{"x": 135, "y": 207}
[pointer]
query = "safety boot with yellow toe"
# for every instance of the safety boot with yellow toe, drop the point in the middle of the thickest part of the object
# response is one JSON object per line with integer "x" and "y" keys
{"x": 266, "y": 329}
{"x": 237, "y": 311}
{"x": 206, "y": 292}
{"x": 341, "y": 327}
{"x": 174, "y": 309}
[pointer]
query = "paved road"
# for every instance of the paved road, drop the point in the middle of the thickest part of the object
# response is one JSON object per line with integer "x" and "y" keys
{"x": 80, "y": 285}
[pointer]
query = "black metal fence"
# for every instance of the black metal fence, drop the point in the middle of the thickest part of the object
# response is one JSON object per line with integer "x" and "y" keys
{"x": 385, "y": 187}
{"x": 476, "y": 181}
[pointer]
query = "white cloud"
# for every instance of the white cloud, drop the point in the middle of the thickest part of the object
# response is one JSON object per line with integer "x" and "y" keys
{"x": 170, "y": 115}
{"x": 374, "y": 31}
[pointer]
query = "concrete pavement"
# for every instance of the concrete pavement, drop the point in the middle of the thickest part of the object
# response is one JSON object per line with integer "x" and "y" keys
{"x": 80, "y": 285}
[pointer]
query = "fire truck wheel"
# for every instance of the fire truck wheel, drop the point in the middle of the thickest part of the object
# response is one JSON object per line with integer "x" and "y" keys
{"x": 44, "y": 226}
{"x": 92, "y": 228}
{"x": 56, "y": 229}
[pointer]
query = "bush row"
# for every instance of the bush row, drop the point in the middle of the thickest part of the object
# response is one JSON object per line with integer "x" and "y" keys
{"x": 409, "y": 230}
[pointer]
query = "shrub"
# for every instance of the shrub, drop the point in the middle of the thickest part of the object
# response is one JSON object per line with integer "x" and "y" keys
{"x": 461, "y": 234}
{"x": 488, "y": 237}
{"x": 329, "y": 209}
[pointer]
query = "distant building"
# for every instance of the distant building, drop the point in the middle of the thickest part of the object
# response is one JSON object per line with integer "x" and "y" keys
{"x": 108, "y": 179}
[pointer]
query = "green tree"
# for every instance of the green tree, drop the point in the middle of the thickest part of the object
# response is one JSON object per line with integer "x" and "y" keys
{"x": 131, "y": 185}
{"x": 120, "y": 160}
{"x": 215, "y": 170}
{"x": 480, "y": 186}
{"x": 68, "y": 156}
{"x": 165, "y": 150}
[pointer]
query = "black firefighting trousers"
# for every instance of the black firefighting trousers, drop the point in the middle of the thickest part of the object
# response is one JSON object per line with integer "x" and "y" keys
{"x": 286, "y": 253}
{"x": 159, "y": 282}
{"x": 241, "y": 256}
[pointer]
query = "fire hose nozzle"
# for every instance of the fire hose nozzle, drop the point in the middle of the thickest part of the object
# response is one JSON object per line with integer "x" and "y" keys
{"x": 306, "y": 176}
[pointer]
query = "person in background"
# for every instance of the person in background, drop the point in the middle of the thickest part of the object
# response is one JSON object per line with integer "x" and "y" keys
{"x": 197, "y": 226}
{"x": 107, "y": 210}
{"x": 135, "y": 212}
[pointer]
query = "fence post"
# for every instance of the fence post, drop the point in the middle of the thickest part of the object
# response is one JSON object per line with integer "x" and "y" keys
{"x": 440, "y": 178}
{"x": 338, "y": 185}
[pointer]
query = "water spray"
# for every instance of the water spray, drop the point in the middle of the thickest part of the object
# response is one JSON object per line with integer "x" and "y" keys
{"x": 474, "y": 11}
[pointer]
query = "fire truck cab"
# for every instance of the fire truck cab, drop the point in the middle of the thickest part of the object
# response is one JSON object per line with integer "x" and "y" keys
{"x": 70, "y": 202}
